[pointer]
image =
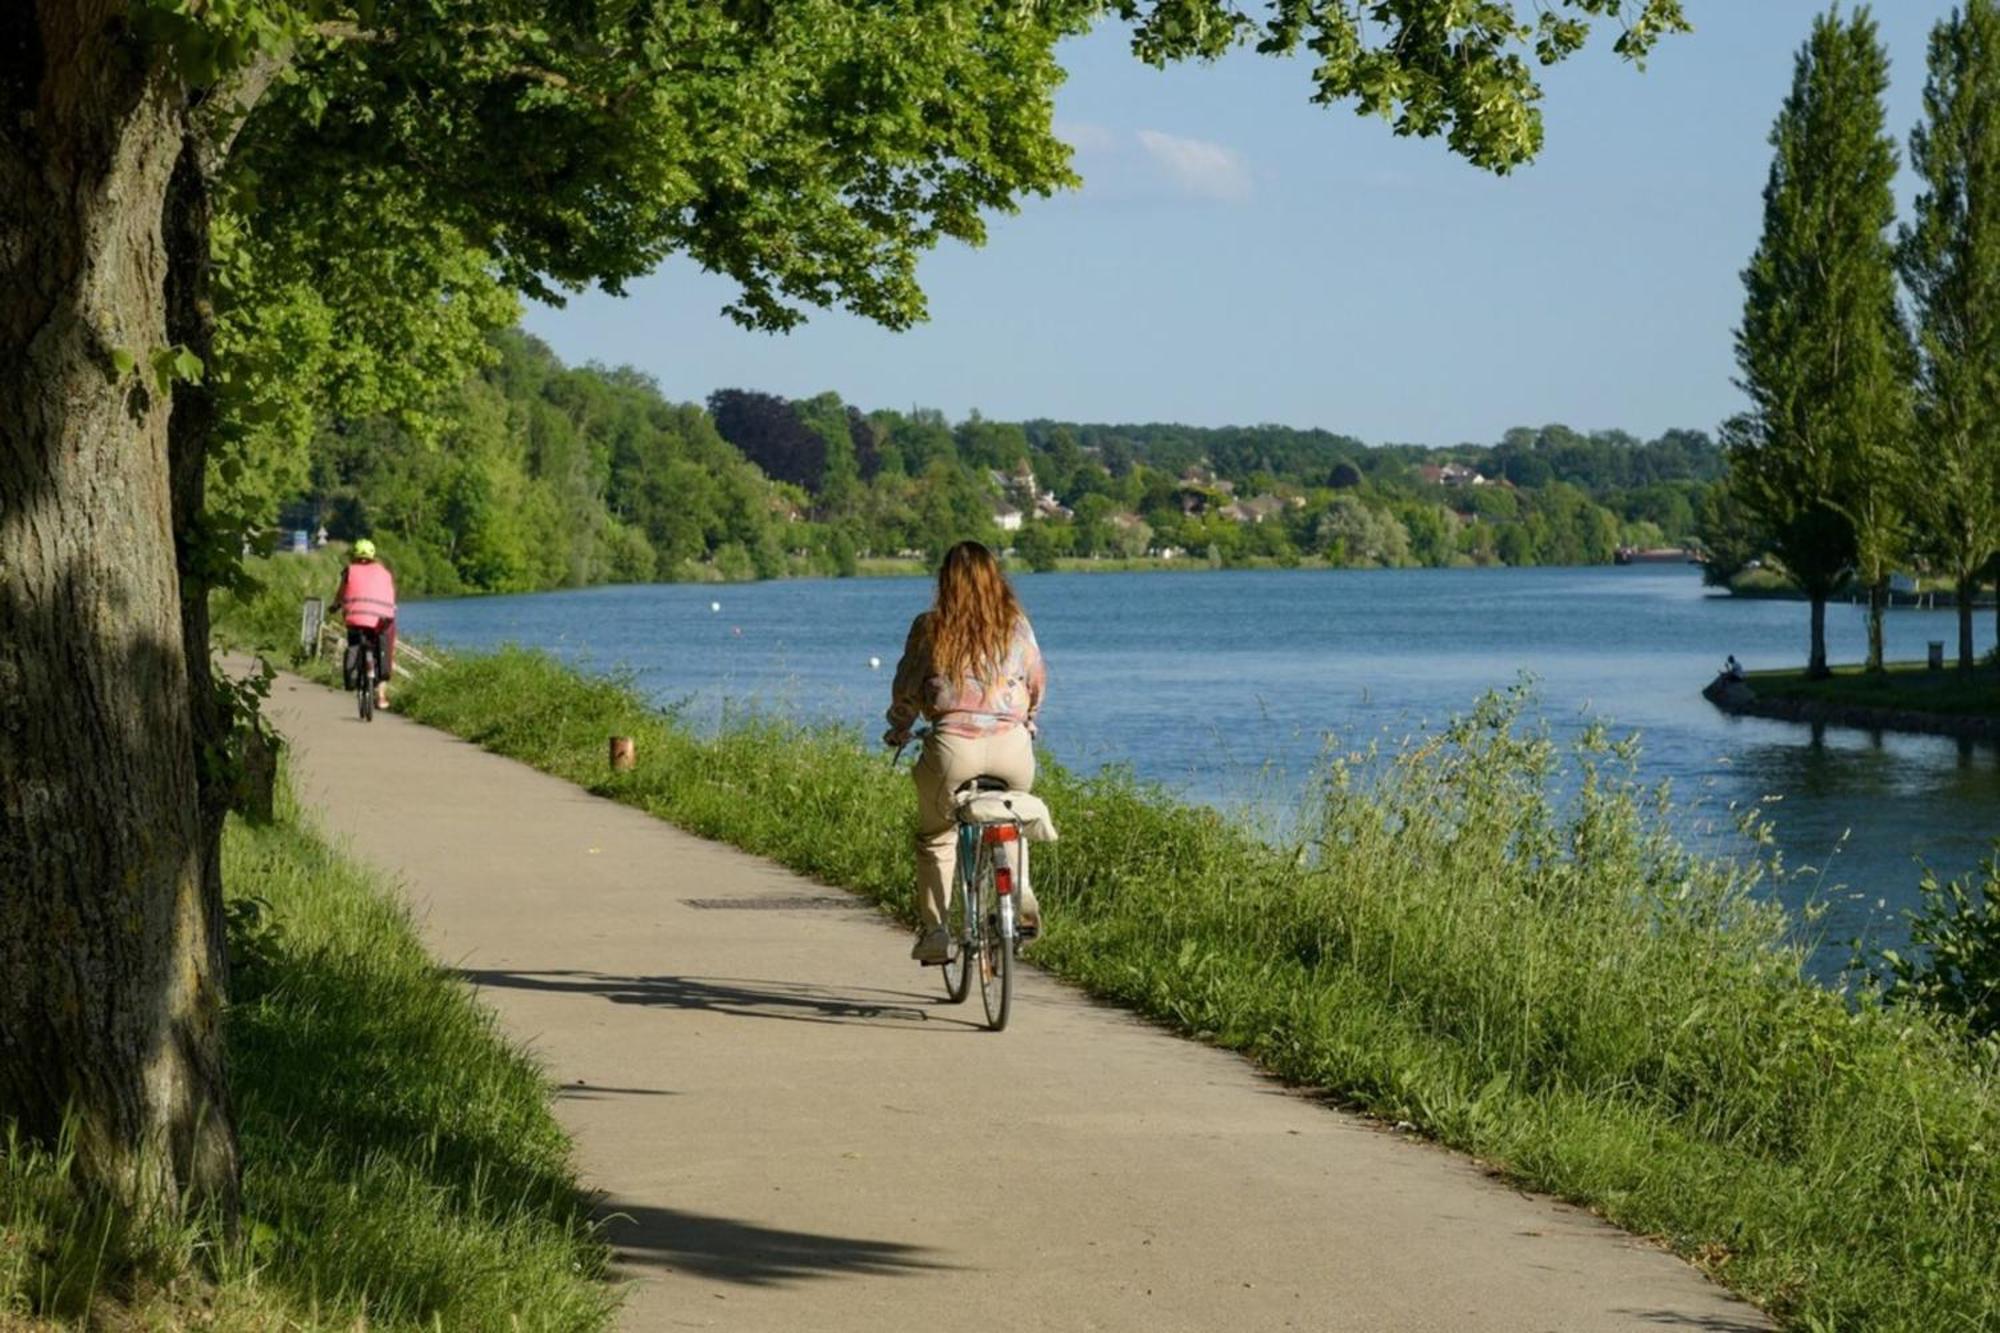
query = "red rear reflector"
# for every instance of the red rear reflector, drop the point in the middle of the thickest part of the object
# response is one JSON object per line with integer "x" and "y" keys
{"x": 1003, "y": 881}
{"x": 1000, "y": 833}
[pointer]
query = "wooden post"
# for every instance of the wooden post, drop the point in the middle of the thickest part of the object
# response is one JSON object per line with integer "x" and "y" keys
{"x": 624, "y": 757}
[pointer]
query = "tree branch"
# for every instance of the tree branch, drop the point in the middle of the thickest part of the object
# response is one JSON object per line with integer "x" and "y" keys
{"x": 223, "y": 113}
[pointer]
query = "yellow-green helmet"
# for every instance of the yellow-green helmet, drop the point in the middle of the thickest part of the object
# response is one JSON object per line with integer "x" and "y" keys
{"x": 364, "y": 549}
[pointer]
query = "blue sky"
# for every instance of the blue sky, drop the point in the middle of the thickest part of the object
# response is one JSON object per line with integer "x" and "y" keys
{"x": 1238, "y": 255}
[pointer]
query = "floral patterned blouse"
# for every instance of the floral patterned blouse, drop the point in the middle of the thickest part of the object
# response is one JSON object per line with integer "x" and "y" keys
{"x": 968, "y": 706}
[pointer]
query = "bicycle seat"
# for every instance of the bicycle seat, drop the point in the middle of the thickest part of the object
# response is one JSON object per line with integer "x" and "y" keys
{"x": 986, "y": 782}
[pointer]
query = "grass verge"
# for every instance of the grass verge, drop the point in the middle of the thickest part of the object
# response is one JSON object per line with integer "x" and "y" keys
{"x": 1904, "y": 686}
{"x": 401, "y": 1167}
{"x": 1556, "y": 986}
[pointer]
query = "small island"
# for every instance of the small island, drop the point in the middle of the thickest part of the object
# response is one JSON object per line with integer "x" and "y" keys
{"x": 1905, "y": 696}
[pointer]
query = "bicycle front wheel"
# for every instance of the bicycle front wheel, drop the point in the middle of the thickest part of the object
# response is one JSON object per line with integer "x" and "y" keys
{"x": 996, "y": 946}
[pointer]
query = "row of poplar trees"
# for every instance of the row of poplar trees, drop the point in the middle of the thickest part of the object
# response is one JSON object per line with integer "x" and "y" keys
{"x": 1871, "y": 351}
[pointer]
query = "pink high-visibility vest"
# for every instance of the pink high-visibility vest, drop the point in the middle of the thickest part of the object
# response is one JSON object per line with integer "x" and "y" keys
{"x": 367, "y": 595}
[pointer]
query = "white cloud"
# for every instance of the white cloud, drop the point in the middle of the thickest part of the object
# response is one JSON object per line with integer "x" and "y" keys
{"x": 1197, "y": 166}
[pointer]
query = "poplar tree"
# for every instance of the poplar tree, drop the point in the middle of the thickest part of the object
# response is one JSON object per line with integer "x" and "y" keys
{"x": 1820, "y": 459}
{"x": 1950, "y": 259}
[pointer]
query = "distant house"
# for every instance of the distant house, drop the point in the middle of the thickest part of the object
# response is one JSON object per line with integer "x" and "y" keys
{"x": 1047, "y": 506}
{"x": 1007, "y": 518}
{"x": 1254, "y": 510}
{"x": 1451, "y": 474}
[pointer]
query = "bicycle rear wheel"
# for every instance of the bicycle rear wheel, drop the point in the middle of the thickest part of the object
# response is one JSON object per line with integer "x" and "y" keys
{"x": 996, "y": 946}
{"x": 364, "y": 695}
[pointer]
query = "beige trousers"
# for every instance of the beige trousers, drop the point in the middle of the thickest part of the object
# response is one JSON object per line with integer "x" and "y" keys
{"x": 947, "y": 762}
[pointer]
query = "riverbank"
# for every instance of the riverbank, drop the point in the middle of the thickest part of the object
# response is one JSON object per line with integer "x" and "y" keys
{"x": 1907, "y": 696}
{"x": 1559, "y": 990}
{"x": 287, "y": 579}
{"x": 1770, "y": 586}
{"x": 401, "y": 1167}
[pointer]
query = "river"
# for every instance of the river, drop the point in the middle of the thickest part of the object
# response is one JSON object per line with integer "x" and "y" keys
{"x": 1226, "y": 685}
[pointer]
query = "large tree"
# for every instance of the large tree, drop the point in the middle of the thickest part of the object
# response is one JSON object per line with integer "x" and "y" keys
{"x": 1819, "y": 460}
{"x": 1950, "y": 259}
{"x": 811, "y": 149}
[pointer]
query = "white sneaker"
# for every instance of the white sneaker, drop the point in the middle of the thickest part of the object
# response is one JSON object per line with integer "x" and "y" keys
{"x": 932, "y": 947}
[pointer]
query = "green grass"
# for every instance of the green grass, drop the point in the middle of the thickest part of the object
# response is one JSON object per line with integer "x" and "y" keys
{"x": 1910, "y": 686}
{"x": 264, "y": 615}
{"x": 401, "y": 1166}
{"x": 1557, "y": 987}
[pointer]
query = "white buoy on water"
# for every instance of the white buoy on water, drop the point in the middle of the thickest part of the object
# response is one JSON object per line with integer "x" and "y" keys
{"x": 874, "y": 664}
{"x": 715, "y": 606}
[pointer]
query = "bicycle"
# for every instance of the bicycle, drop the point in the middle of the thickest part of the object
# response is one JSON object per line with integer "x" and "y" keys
{"x": 995, "y": 826}
{"x": 366, "y": 652}
{"x": 992, "y": 860}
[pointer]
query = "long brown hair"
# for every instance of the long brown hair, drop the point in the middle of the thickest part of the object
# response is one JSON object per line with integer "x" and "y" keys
{"x": 973, "y": 619}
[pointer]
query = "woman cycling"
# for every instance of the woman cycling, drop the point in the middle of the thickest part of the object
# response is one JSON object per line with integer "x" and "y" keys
{"x": 972, "y": 668}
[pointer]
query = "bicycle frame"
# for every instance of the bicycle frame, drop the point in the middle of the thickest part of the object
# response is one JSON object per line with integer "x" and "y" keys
{"x": 971, "y": 842}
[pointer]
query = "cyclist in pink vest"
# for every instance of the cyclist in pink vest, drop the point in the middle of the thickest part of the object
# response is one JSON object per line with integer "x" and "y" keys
{"x": 366, "y": 599}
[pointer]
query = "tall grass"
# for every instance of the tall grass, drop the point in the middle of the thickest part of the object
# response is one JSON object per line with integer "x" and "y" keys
{"x": 401, "y": 1167}
{"x": 1551, "y": 983}
{"x": 263, "y": 613}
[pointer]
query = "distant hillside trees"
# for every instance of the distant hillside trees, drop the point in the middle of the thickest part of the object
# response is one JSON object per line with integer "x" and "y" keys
{"x": 532, "y": 475}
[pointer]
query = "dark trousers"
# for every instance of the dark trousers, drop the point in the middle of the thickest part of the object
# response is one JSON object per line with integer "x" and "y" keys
{"x": 385, "y": 648}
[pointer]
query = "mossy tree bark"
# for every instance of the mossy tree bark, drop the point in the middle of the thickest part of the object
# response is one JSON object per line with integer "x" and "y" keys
{"x": 110, "y": 957}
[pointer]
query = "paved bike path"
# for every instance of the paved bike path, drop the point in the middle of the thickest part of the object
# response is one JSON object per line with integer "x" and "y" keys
{"x": 795, "y": 1133}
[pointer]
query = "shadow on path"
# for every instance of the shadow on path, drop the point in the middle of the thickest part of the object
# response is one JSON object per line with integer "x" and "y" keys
{"x": 752, "y": 1256}
{"x": 1707, "y": 1323}
{"x": 793, "y": 1001}
{"x": 578, "y": 1090}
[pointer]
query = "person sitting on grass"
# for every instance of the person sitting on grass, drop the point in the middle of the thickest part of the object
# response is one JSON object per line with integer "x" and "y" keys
{"x": 972, "y": 669}
{"x": 366, "y": 600}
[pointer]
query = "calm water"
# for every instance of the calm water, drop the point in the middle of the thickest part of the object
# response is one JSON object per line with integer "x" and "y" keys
{"x": 1228, "y": 684}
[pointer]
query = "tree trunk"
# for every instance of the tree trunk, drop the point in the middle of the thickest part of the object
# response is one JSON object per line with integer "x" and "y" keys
{"x": 1967, "y": 589}
{"x": 1816, "y": 661}
{"x": 200, "y": 555}
{"x": 1878, "y": 604}
{"x": 110, "y": 1000}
